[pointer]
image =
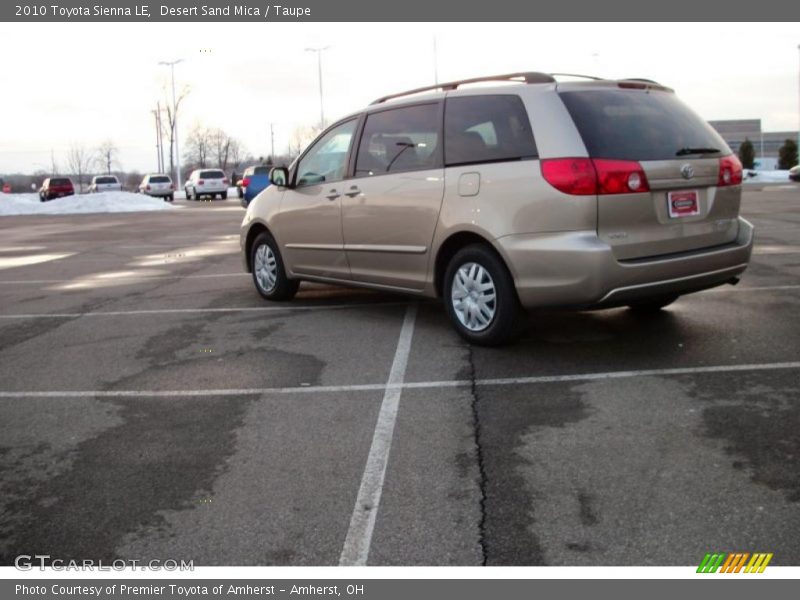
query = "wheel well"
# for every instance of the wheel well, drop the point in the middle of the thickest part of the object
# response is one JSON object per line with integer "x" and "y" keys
{"x": 252, "y": 234}
{"x": 448, "y": 250}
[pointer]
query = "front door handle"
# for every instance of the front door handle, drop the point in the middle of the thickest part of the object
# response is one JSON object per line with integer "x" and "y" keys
{"x": 332, "y": 195}
{"x": 354, "y": 191}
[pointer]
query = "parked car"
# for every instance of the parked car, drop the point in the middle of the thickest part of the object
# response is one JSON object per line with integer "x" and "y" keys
{"x": 794, "y": 173}
{"x": 254, "y": 180}
{"x": 56, "y": 187}
{"x": 158, "y": 185}
{"x": 206, "y": 182}
{"x": 547, "y": 194}
{"x": 104, "y": 183}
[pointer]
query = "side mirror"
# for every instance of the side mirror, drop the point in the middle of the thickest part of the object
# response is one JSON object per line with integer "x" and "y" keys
{"x": 279, "y": 176}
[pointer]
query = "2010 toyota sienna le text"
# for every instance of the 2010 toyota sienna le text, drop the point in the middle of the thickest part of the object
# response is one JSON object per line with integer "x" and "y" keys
{"x": 545, "y": 194}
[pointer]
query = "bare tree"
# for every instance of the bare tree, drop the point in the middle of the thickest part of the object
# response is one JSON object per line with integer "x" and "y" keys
{"x": 301, "y": 137}
{"x": 106, "y": 157}
{"x": 237, "y": 153}
{"x": 172, "y": 114}
{"x": 220, "y": 147}
{"x": 198, "y": 147}
{"x": 79, "y": 160}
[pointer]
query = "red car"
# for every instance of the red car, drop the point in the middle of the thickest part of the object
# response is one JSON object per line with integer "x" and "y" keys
{"x": 56, "y": 187}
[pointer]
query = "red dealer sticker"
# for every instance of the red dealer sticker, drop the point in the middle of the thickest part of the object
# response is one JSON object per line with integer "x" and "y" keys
{"x": 683, "y": 203}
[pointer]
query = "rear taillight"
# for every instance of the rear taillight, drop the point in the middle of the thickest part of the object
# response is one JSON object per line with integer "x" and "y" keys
{"x": 245, "y": 182}
{"x": 225, "y": 180}
{"x": 172, "y": 186}
{"x": 586, "y": 177}
{"x": 574, "y": 176}
{"x": 200, "y": 182}
{"x": 730, "y": 171}
{"x": 620, "y": 177}
{"x": 147, "y": 187}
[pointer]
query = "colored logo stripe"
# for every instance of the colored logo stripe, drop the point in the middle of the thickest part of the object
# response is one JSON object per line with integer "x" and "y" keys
{"x": 711, "y": 563}
{"x": 734, "y": 562}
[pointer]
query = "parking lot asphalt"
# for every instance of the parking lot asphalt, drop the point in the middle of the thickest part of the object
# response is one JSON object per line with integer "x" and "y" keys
{"x": 152, "y": 406}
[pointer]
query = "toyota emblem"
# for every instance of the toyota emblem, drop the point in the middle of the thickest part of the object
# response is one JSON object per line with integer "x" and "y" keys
{"x": 687, "y": 171}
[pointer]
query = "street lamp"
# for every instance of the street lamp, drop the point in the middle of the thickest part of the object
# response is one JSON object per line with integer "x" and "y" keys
{"x": 171, "y": 65}
{"x": 319, "y": 52}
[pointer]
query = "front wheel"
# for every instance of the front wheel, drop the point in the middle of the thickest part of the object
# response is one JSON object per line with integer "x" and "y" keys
{"x": 268, "y": 272}
{"x": 480, "y": 297}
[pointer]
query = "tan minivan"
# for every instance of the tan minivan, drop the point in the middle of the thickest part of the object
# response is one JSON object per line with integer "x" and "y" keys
{"x": 577, "y": 194}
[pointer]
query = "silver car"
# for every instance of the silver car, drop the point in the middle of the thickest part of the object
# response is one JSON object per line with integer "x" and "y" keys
{"x": 158, "y": 185}
{"x": 547, "y": 194}
{"x": 104, "y": 183}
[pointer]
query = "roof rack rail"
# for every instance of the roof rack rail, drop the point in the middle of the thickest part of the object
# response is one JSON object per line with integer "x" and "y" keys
{"x": 592, "y": 77}
{"x": 642, "y": 79}
{"x": 529, "y": 77}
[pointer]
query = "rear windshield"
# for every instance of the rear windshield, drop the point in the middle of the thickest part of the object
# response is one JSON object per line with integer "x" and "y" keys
{"x": 211, "y": 174}
{"x": 261, "y": 171}
{"x": 630, "y": 125}
{"x": 106, "y": 180}
{"x": 159, "y": 179}
{"x": 60, "y": 181}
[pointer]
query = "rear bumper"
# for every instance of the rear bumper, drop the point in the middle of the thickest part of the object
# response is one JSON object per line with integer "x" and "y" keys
{"x": 578, "y": 270}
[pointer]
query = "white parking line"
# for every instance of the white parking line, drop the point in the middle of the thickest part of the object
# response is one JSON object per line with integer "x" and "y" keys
{"x": 362, "y": 523}
{"x": 179, "y": 311}
{"x": 415, "y": 385}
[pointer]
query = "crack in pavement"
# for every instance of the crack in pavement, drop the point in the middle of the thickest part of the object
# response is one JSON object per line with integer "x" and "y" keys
{"x": 476, "y": 424}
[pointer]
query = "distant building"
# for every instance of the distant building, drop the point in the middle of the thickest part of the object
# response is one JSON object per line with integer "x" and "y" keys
{"x": 735, "y": 131}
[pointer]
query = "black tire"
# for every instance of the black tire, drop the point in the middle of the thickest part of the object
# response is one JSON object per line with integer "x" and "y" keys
{"x": 171, "y": 198}
{"x": 240, "y": 192}
{"x": 652, "y": 306}
{"x": 283, "y": 288}
{"x": 502, "y": 327}
{"x": 224, "y": 195}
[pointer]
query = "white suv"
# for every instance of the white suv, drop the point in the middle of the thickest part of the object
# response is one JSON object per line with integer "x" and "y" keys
{"x": 206, "y": 182}
{"x": 104, "y": 183}
{"x": 158, "y": 185}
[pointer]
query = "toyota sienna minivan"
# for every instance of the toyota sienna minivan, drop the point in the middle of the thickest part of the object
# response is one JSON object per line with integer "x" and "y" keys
{"x": 584, "y": 194}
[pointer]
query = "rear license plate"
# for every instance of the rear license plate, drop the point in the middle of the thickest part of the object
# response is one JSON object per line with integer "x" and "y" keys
{"x": 683, "y": 203}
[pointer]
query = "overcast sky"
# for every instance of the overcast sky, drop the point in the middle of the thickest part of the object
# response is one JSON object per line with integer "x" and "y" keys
{"x": 81, "y": 83}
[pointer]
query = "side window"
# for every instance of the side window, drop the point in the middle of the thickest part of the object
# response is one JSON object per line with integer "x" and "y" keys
{"x": 400, "y": 139}
{"x": 327, "y": 158}
{"x": 486, "y": 129}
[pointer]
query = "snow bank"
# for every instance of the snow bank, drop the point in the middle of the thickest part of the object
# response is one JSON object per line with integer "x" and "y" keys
{"x": 104, "y": 202}
{"x": 754, "y": 176}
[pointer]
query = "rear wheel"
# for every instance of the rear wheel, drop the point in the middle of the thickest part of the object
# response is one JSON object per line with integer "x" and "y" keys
{"x": 268, "y": 272}
{"x": 653, "y": 305}
{"x": 224, "y": 195}
{"x": 479, "y": 296}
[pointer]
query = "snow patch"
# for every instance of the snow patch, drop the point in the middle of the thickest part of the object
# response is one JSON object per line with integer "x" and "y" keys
{"x": 755, "y": 176}
{"x": 103, "y": 202}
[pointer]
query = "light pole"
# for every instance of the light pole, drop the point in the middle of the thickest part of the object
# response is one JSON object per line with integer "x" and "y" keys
{"x": 319, "y": 52}
{"x": 798, "y": 110}
{"x": 435, "y": 62}
{"x": 171, "y": 65}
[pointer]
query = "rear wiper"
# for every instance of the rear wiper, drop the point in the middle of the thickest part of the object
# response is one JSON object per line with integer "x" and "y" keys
{"x": 685, "y": 151}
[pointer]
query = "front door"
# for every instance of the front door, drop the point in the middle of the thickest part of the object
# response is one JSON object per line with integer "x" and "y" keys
{"x": 310, "y": 219}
